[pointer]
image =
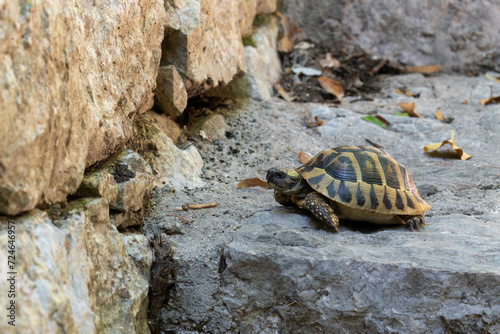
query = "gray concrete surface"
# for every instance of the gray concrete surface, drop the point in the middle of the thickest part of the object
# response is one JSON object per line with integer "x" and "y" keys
{"x": 252, "y": 266}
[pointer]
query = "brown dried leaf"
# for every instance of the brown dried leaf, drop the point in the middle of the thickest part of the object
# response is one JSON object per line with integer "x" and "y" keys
{"x": 319, "y": 121}
{"x": 304, "y": 157}
{"x": 329, "y": 62}
{"x": 407, "y": 93}
{"x": 439, "y": 115}
{"x": 492, "y": 78}
{"x": 253, "y": 182}
{"x": 331, "y": 86}
{"x": 490, "y": 100}
{"x": 424, "y": 69}
{"x": 409, "y": 107}
{"x": 285, "y": 45}
{"x": 284, "y": 94}
{"x": 383, "y": 120}
{"x": 416, "y": 95}
{"x": 290, "y": 32}
{"x": 433, "y": 147}
{"x": 372, "y": 143}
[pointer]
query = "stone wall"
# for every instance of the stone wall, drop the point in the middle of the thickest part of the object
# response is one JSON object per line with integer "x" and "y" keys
{"x": 75, "y": 75}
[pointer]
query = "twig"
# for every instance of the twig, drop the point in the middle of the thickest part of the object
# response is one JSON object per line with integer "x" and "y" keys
{"x": 378, "y": 66}
{"x": 187, "y": 206}
{"x": 182, "y": 219}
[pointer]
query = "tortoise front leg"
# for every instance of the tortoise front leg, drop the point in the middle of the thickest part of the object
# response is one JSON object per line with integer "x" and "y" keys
{"x": 321, "y": 209}
{"x": 283, "y": 199}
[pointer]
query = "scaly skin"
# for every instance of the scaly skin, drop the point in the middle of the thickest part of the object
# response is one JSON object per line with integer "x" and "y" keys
{"x": 321, "y": 209}
{"x": 283, "y": 199}
{"x": 414, "y": 222}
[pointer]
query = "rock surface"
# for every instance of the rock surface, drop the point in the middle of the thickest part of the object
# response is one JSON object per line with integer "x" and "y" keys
{"x": 263, "y": 66}
{"x": 284, "y": 275}
{"x": 458, "y": 35}
{"x": 172, "y": 167}
{"x": 134, "y": 179}
{"x": 75, "y": 74}
{"x": 170, "y": 93}
{"x": 203, "y": 39}
{"x": 76, "y": 273}
{"x": 250, "y": 265}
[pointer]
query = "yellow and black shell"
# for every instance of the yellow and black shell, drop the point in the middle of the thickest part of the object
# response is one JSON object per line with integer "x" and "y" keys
{"x": 364, "y": 178}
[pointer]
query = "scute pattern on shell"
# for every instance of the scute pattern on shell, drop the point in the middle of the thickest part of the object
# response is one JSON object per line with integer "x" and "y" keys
{"x": 365, "y": 178}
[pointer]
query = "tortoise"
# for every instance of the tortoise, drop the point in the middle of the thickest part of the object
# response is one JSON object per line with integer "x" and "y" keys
{"x": 359, "y": 183}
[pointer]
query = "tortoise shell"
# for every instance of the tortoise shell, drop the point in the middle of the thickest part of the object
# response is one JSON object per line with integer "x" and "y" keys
{"x": 365, "y": 179}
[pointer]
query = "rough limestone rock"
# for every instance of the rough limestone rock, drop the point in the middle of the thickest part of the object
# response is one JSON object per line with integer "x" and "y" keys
{"x": 211, "y": 127}
{"x": 170, "y": 93}
{"x": 74, "y": 75}
{"x": 203, "y": 39}
{"x": 99, "y": 184}
{"x": 263, "y": 66}
{"x": 172, "y": 167}
{"x": 77, "y": 274}
{"x": 248, "y": 9}
{"x": 284, "y": 275}
{"x": 456, "y": 34}
{"x": 126, "y": 219}
{"x": 167, "y": 125}
{"x": 134, "y": 180}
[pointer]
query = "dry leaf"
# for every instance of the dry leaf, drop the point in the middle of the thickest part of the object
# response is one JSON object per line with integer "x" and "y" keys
{"x": 331, "y": 86}
{"x": 439, "y": 115}
{"x": 383, "y": 120}
{"x": 284, "y": 94}
{"x": 372, "y": 143}
{"x": 253, "y": 182}
{"x": 433, "y": 147}
{"x": 285, "y": 45}
{"x": 304, "y": 157}
{"x": 319, "y": 121}
{"x": 416, "y": 95}
{"x": 409, "y": 107}
{"x": 329, "y": 62}
{"x": 465, "y": 102}
{"x": 490, "y": 100}
{"x": 290, "y": 33}
{"x": 313, "y": 124}
{"x": 407, "y": 93}
{"x": 424, "y": 69}
{"x": 492, "y": 78}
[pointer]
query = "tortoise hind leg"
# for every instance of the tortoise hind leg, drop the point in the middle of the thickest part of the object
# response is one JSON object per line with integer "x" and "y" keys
{"x": 414, "y": 222}
{"x": 321, "y": 209}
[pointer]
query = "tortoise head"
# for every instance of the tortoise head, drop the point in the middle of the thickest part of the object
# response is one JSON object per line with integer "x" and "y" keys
{"x": 288, "y": 181}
